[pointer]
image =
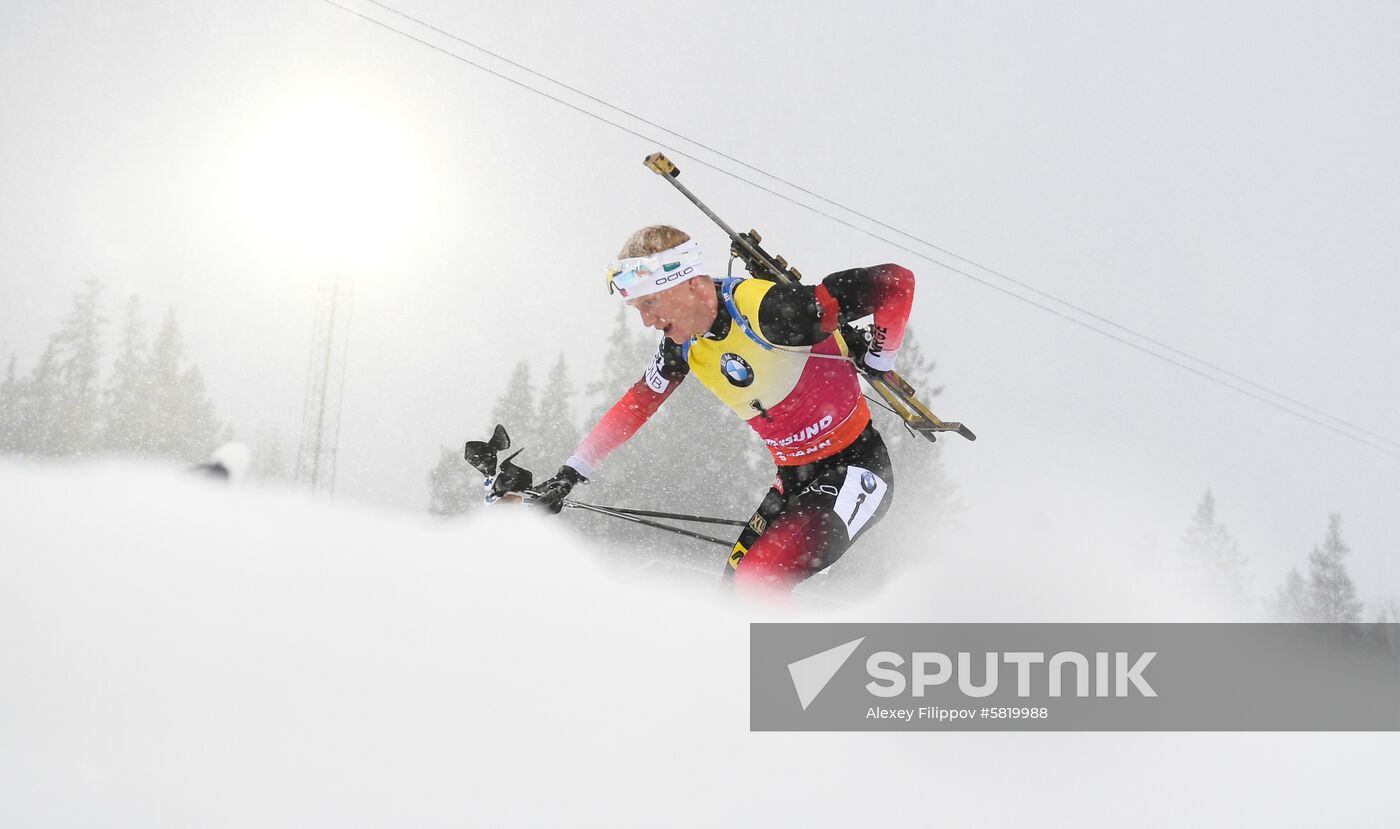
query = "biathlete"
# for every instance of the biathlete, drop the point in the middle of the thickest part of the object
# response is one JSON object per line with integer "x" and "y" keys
{"x": 774, "y": 354}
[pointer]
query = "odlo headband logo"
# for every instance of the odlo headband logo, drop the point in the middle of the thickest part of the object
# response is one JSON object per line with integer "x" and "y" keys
{"x": 642, "y": 275}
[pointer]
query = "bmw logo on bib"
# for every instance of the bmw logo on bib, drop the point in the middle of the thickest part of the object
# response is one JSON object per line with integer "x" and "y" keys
{"x": 867, "y": 481}
{"x": 736, "y": 369}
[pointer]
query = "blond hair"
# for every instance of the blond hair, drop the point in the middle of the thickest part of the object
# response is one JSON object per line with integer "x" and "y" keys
{"x": 652, "y": 239}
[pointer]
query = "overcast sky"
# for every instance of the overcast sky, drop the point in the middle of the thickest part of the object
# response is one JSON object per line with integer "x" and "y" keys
{"x": 1220, "y": 177}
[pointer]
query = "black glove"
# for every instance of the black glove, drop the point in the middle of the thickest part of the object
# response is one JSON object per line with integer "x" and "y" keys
{"x": 857, "y": 342}
{"x": 551, "y": 493}
{"x": 857, "y": 345}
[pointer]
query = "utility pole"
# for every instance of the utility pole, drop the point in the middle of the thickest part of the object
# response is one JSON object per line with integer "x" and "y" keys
{"x": 325, "y": 385}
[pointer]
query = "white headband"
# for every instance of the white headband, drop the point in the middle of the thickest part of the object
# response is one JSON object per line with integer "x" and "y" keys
{"x": 641, "y": 275}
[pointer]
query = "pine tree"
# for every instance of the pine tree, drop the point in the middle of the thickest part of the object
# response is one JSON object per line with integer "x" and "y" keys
{"x": 200, "y": 423}
{"x": 454, "y": 486}
{"x": 184, "y": 425}
{"x": 269, "y": 460}
{"x": 694, "y": 456}
{"x": 621, "y": 366}
{"x": 76, "y": 424}
{"x": 128, "y": 426}
{"x": 11, "y": 407}
{"x": 628, "y": 476}
{"x": 1332, "y": 594}
{"x": 163, "y": 367}
{"x": 515, "y": 408}
{"x": 56, "y": 409}
{"x": 1212, "y": 559}
{"x": 35, "y": 405}
{"x": 624, "y": 476}
{"x": 1292, "y": 603}
{"x": 558, "y": 434}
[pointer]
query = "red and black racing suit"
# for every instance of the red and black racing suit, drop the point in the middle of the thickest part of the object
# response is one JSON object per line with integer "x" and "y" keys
{"x": 775, "y": 356}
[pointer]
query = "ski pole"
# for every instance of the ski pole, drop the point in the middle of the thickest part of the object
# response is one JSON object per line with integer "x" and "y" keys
{"x": 675, "y": 516}
{"x": 646, "y": 523}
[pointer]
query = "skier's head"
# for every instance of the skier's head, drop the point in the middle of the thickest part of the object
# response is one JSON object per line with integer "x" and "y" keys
{"x": 651, "y": 240}
{"x": 656, "y": 273}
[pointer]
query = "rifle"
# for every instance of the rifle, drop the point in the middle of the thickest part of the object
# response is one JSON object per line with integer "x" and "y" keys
{"x": 898, "y": 395}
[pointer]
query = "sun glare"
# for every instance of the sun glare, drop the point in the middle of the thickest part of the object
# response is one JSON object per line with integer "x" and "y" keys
{"x": 328, "y": 180}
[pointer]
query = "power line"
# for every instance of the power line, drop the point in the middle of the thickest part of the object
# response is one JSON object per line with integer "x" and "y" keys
{"x": 1019, "y": 284}
{"x": 873, "y": 220}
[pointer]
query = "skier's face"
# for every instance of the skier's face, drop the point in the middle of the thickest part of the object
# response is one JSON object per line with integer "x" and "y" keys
{"x": 680, "y": 313}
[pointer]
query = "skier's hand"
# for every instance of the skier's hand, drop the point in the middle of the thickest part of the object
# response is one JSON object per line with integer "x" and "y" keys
{"x": 551, "y": 494}
{"x": 857, "y": 343}
{"x": 858, "y": 348}
{"x": 864, "y": 367}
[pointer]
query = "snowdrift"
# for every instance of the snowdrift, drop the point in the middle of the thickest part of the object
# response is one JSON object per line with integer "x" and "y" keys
{"x": 178, "y": 652}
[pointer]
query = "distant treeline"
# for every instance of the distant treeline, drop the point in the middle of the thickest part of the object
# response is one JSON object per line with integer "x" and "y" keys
{"x": 150, "y": 402}
{"x": 1214, "y": 566}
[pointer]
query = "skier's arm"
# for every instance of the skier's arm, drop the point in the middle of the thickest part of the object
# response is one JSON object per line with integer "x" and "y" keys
{"x": 795, "y": 314}
{"x": 633, "y": 410}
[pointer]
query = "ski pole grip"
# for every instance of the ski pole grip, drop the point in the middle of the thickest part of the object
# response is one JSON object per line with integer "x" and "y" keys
{"x": 662, "y": 165}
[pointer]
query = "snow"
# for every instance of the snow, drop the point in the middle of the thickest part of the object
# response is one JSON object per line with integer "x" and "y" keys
{"x": 175, "y": 651}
